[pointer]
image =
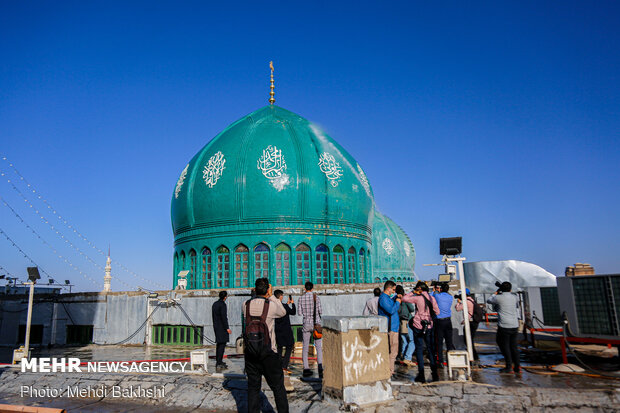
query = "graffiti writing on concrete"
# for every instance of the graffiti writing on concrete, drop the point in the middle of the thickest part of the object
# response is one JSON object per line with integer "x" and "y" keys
{"x": 358, "y": 359}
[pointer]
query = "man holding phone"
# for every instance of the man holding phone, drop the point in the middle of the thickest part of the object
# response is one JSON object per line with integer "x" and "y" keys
{"x": 284, "y": 332}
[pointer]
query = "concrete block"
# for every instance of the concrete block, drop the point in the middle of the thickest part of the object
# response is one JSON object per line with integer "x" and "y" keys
{"x": 344, "y": 324}
{"x": 494, "y": 403}
{"x": 444, "y": 390}
{"x": 473, "y": 388}
{"x": 361, "y": 394}
{"x": 354, "y": 357}
{"x": 551, "y": 398}
{"x": 429, "y": 404}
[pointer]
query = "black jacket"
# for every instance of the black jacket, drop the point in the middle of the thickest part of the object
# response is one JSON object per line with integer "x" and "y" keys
{"x": 220, "y": 321}
{"x": 284, "y": 332}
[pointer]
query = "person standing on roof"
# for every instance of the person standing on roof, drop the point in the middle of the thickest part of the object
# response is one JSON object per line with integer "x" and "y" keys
{"x": 260, "y": 348}
{"x": 389, "y": 304}
{"x": 422, "y": 324}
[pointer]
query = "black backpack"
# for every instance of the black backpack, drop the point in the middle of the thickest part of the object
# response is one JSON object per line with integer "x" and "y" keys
{"x": 478, "y": 313}
{"x": 256, "y": 336}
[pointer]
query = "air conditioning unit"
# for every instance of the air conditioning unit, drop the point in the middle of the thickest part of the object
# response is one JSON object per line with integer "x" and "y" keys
{"x": 592, "y": 304}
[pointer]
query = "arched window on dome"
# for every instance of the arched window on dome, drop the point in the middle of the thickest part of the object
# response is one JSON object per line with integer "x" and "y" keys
{"x": 338, "y": 261}
{"x": 322, "y": 264}
{"x": 399, "y": 279}
{"x": 283, "y": 264}
{"x": 302, "y": 263}
{"x": 241, "y": 266}
{"x": 261, "y": 261}
{"x": 385, "y": 279}
{"x": 352, "y": 276}
{"x": 182, "y": 261}
{"x": 223, "y": 268}
{"x": 377, "y": 280}
{"x": 362, "y": 265}
{"x": 191, "y": 277}
{"x": 205, "y": 268}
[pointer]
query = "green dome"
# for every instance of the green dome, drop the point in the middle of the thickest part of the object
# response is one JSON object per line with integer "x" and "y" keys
{"x": 271, "y": 177}
{"x": 393, "y": 252}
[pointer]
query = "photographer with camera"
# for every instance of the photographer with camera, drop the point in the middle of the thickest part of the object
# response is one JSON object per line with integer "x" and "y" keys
{"x": 506, "y": 304}
{"x": 389, "y": 303}
{"x": 443, "y": 325}
{"x": 422, "y": 325}
{"x": 475, "y": 313}
{"x": 260, "y": 350}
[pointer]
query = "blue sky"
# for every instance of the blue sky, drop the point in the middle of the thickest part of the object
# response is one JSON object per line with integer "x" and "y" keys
{"x": 495, "y": 121}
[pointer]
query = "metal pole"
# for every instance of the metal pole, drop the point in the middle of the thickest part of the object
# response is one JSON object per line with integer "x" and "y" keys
{"x": 465, "y": 310}
{"x": 149, "y": 324}
{"x": 29, "y": 320}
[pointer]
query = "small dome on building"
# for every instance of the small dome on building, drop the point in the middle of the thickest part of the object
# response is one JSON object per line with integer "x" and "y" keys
{"x": 393, "y": 252}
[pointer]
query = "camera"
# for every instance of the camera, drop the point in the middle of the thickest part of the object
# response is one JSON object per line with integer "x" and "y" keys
{"x": 458, "y": 296}
{"x": 425, "y": 324}
{"x": 499, "y": 287}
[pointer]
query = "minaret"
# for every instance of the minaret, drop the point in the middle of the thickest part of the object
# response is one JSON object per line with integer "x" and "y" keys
{"x": 107, "y": 280}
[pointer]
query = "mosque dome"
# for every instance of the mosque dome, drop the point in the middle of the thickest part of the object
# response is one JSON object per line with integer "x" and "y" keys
{"x": 274, "y": 181}
{"x": 393, "y": 252}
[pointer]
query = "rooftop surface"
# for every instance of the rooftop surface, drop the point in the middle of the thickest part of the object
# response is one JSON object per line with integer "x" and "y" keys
{"x": 226, "y": 390}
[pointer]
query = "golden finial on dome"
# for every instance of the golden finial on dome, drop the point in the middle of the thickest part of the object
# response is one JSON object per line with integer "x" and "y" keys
{"x": 272, "y": 99}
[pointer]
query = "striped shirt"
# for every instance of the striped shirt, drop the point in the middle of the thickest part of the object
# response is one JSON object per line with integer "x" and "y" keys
{"x": 306, "y": 310}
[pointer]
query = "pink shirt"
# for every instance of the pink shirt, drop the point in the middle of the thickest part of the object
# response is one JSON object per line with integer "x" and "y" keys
{"x": 470, "y": 307}
{"x": 422, "y": 312}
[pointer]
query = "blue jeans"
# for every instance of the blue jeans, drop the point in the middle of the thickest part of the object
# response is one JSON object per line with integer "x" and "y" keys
{"x": 407, "y": 345}
{"x": 420, "y": 340}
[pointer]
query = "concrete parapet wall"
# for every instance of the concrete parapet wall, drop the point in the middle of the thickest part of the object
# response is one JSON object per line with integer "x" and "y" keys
{"x": 116, "y": 315}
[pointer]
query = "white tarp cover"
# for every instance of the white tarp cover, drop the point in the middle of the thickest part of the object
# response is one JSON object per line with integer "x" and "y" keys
{"x": 480, "y": 277}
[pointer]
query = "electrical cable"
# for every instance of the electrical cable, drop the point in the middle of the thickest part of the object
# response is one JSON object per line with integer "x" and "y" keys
{"x": 59, "y": 233}
{"x": 574, "y": 353}
{"x": 19, "y": 217}
{"x": 538, "y": 320}
{"x": 71, "y": 227}
{"x": 24, "y": 254}
{"x": 67, "y": 312}
{"x": 135, "y": 332}
{"x": 6, "y": 271}
{"x": 192, "y": 323}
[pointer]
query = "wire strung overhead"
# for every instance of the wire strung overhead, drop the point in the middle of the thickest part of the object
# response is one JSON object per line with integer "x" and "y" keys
{"x": 64, "y": 221}
{"x": 49, "y": 245}
{"x": 6, "y": 271}
{"x": 61, "y": 235}
{"x": 24, "y": 254}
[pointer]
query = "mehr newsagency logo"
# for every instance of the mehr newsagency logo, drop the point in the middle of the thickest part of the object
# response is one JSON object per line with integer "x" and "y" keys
{"x": 75, "y": 365}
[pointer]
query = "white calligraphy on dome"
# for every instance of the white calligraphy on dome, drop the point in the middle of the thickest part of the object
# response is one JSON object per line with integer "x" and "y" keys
{"x": 177, "y": 190}
{"x": 272, "y": 163}
{"x": 407, "y": 248}
{"x": 388, "y": 246}
{"x": 331, "y": 168}
{"x": 213, "y": 169}
{"x": 363, "y": 179}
